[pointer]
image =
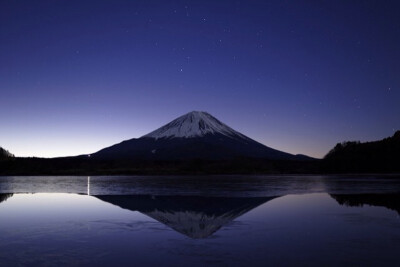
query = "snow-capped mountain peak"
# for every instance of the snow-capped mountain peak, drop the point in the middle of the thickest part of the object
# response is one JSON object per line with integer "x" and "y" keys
{"x": 193, "y": 124}
{"x": 195, "y": 135}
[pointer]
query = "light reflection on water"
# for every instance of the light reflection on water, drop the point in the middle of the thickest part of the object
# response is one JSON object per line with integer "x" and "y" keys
{"x": 235, "y": 185}
{"x": 316, "y": 221}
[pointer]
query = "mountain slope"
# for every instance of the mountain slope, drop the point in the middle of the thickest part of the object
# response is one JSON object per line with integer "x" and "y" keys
{"x": 195, "y": 135}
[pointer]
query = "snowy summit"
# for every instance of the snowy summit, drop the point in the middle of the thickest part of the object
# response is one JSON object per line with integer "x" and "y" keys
{"x": 193, "y": 124}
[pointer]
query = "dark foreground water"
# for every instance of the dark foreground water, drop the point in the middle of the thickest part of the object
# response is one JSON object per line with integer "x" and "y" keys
{"x": 199, "y": 221}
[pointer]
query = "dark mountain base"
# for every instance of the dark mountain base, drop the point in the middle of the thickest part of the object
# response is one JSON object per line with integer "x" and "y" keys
{"x": 86, "y": 166}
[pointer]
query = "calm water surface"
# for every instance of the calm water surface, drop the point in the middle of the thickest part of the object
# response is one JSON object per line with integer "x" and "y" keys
{"x": 198, "y": 221}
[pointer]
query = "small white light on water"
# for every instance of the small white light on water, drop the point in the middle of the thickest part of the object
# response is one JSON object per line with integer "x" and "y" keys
{"x": 88, "y": 186}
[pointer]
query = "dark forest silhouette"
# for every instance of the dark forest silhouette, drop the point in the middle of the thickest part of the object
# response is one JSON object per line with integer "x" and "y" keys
{"x": 369, "y": 157}
{"x": 5, "y": 154}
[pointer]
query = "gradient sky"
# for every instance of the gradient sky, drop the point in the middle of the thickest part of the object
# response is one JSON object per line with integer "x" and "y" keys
{"x": 298, "y": 76}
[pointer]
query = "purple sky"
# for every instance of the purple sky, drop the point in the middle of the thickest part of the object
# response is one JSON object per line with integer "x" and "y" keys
{"x": 298, "y": 76}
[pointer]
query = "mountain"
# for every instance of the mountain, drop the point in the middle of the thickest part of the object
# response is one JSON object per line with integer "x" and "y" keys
{"x": 376, "y": 156}
{"x": 195, "y": 135}
{"x": 194, "y": 216}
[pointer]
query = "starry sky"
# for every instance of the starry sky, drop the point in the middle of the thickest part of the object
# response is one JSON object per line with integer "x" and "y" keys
{"x": 298, "y": 76}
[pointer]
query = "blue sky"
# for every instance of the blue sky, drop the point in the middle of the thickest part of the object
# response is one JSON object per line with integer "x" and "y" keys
{"x": 298, "y": 76}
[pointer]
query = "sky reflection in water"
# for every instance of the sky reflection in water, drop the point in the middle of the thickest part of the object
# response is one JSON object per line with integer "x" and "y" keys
{"x": 311, "y": 229}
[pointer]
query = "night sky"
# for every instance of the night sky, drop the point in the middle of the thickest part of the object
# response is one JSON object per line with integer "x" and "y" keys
{"x": 298, "y": 76}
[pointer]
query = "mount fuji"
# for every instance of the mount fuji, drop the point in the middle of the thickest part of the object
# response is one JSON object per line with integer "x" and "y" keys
{"x": 195, "y": 135}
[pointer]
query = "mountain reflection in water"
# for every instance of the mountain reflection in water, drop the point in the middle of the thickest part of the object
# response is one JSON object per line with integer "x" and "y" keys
{"x": 194, "y": 216}
{"x": 4, "y": 197}
{"x": 320, "y": 229}
{"x": 199, "y": 217}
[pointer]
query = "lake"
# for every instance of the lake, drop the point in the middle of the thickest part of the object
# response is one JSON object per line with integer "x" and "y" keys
{"x": 199, "y": 220}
